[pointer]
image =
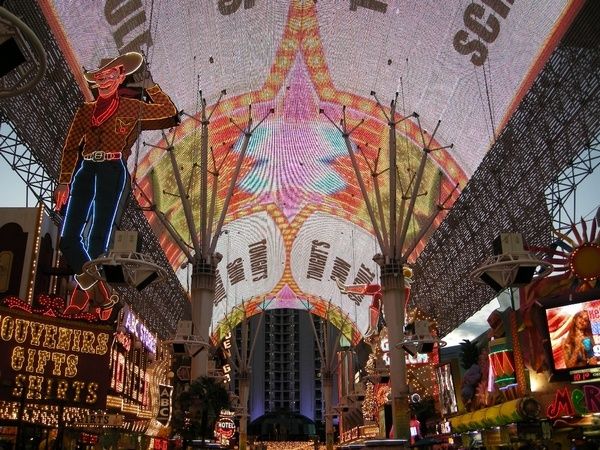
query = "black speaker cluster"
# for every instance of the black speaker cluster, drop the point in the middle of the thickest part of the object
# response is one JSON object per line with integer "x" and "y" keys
{"x": 12, "y": 57}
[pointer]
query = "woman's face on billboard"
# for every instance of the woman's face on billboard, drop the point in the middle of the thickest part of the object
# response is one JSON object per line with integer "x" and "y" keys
{"x": 582, "y": 320}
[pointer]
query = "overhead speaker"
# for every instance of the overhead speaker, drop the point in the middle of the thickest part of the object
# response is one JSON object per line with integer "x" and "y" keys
{"x": 126, "y": 242}
{"x": 519, "y": 276}
{"x": 426, "y": 347}
{"x": 114, "y": 274}
{"x": 411, "y": 349}
{"x": 179, "y": 348}
{"x": 507, "y": 243}
{"x": 143, "y": 278}
{"x": 140, "y": 278}
{"x": 185, "y": 328}
{"x": 491, "y": 281}
{"x": 12, "y": 57}
{"x": 524, "y": 276}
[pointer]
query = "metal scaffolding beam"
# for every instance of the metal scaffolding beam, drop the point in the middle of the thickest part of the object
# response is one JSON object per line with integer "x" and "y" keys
{"x": 17, "y": 154}
{"x": 561, "y": 196}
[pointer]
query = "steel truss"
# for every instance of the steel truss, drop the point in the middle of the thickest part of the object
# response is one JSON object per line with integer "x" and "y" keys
{"x": 558, "y": 117}
{"x": 561, "y": 196}
{"x": 38, "y": 122}
{"x": 18, "y": 156}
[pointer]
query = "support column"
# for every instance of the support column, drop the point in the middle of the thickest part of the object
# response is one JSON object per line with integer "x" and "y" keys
{"x": 517, "y": 352}
{"x": 244, "y": 386}
{"x": 392, "y": 283}
{"x": 327, "y": 380}
{"x": 203, "y": 292}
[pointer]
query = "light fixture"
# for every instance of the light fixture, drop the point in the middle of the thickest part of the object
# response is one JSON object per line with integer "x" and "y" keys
{"x": 418, "y": 338}
{"x": 510, "y": 265}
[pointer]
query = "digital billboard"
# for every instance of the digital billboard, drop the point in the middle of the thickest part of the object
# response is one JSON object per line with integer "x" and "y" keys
{"x": 575, "y": 334}
{"x": 463, "y": 67}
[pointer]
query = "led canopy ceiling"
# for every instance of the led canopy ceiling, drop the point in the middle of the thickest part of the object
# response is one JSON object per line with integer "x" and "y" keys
{"x": 297, "y": 222}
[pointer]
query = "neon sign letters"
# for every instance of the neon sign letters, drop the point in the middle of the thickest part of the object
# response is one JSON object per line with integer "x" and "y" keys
{"x": 502, "y": 363}
{"x": 164, "y": 407}
{"x": 227, "y": 354}
{"x": 50, "y": 360}
{"x": 139, "y": 330}
{"x": 578, "y": 401}
{"x": 225, "y": 427}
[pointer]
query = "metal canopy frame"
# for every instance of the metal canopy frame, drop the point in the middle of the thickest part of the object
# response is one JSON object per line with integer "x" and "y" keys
{"x": 17, "y": 155}
{"x": 561, "y": 196}
{"x": 558, "y": 118}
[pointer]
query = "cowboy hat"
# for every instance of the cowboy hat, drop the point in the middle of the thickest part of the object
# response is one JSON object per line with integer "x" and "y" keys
{"x": 130, "y": 61}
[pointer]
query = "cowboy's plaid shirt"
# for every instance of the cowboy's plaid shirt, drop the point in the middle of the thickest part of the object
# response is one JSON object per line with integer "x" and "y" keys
{"x": 118, "y": 132}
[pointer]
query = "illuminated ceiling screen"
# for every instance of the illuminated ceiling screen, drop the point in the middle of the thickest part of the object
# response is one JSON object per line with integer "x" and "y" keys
{"x": 465, "y": 64}
{"x": 439, "y": 49}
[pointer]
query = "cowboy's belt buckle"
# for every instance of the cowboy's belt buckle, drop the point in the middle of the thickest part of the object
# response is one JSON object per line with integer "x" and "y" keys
{"x": 98, "y": 156}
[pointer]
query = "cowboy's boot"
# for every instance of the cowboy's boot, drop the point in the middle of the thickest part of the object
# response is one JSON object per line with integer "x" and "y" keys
{"x": 78, "y": 301}
{"x": 85, "y": 280}
{"x": 104, "y": 300}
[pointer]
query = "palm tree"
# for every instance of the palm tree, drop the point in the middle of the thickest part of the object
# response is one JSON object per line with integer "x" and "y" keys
{"x": 469, "y": 353}
{"x": 469, "y": 357}
{"x": 199, "y": 408}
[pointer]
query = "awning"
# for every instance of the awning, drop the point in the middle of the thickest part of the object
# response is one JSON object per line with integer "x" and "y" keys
{"x": 502, "y": 414}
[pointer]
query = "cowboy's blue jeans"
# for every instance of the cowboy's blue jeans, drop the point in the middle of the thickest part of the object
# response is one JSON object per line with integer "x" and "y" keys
{"x": 95, "y": 193}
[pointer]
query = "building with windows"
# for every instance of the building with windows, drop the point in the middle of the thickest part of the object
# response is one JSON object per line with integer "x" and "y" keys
{"x": 286, "y": 366}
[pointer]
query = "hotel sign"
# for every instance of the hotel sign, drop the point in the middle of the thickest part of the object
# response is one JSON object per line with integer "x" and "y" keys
{"x": 225, "y": 427}
{"x": 49, "y": 360}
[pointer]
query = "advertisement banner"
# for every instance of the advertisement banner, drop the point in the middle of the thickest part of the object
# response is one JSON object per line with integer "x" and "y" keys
{"x": 462, "y": 67}
{"x": 575, "y": 335}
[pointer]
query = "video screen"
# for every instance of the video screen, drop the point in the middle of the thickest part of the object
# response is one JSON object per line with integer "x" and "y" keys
{"x": 448, "y": 402}
{"x": 575, "y": 334}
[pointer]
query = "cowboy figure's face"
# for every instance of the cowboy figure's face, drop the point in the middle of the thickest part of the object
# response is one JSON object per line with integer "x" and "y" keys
{"x": 108, "y": 80}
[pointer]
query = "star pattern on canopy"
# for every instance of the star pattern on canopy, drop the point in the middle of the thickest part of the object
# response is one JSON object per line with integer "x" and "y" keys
{"x": 296, "y": 162}
{"x": 288, "y": 173}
